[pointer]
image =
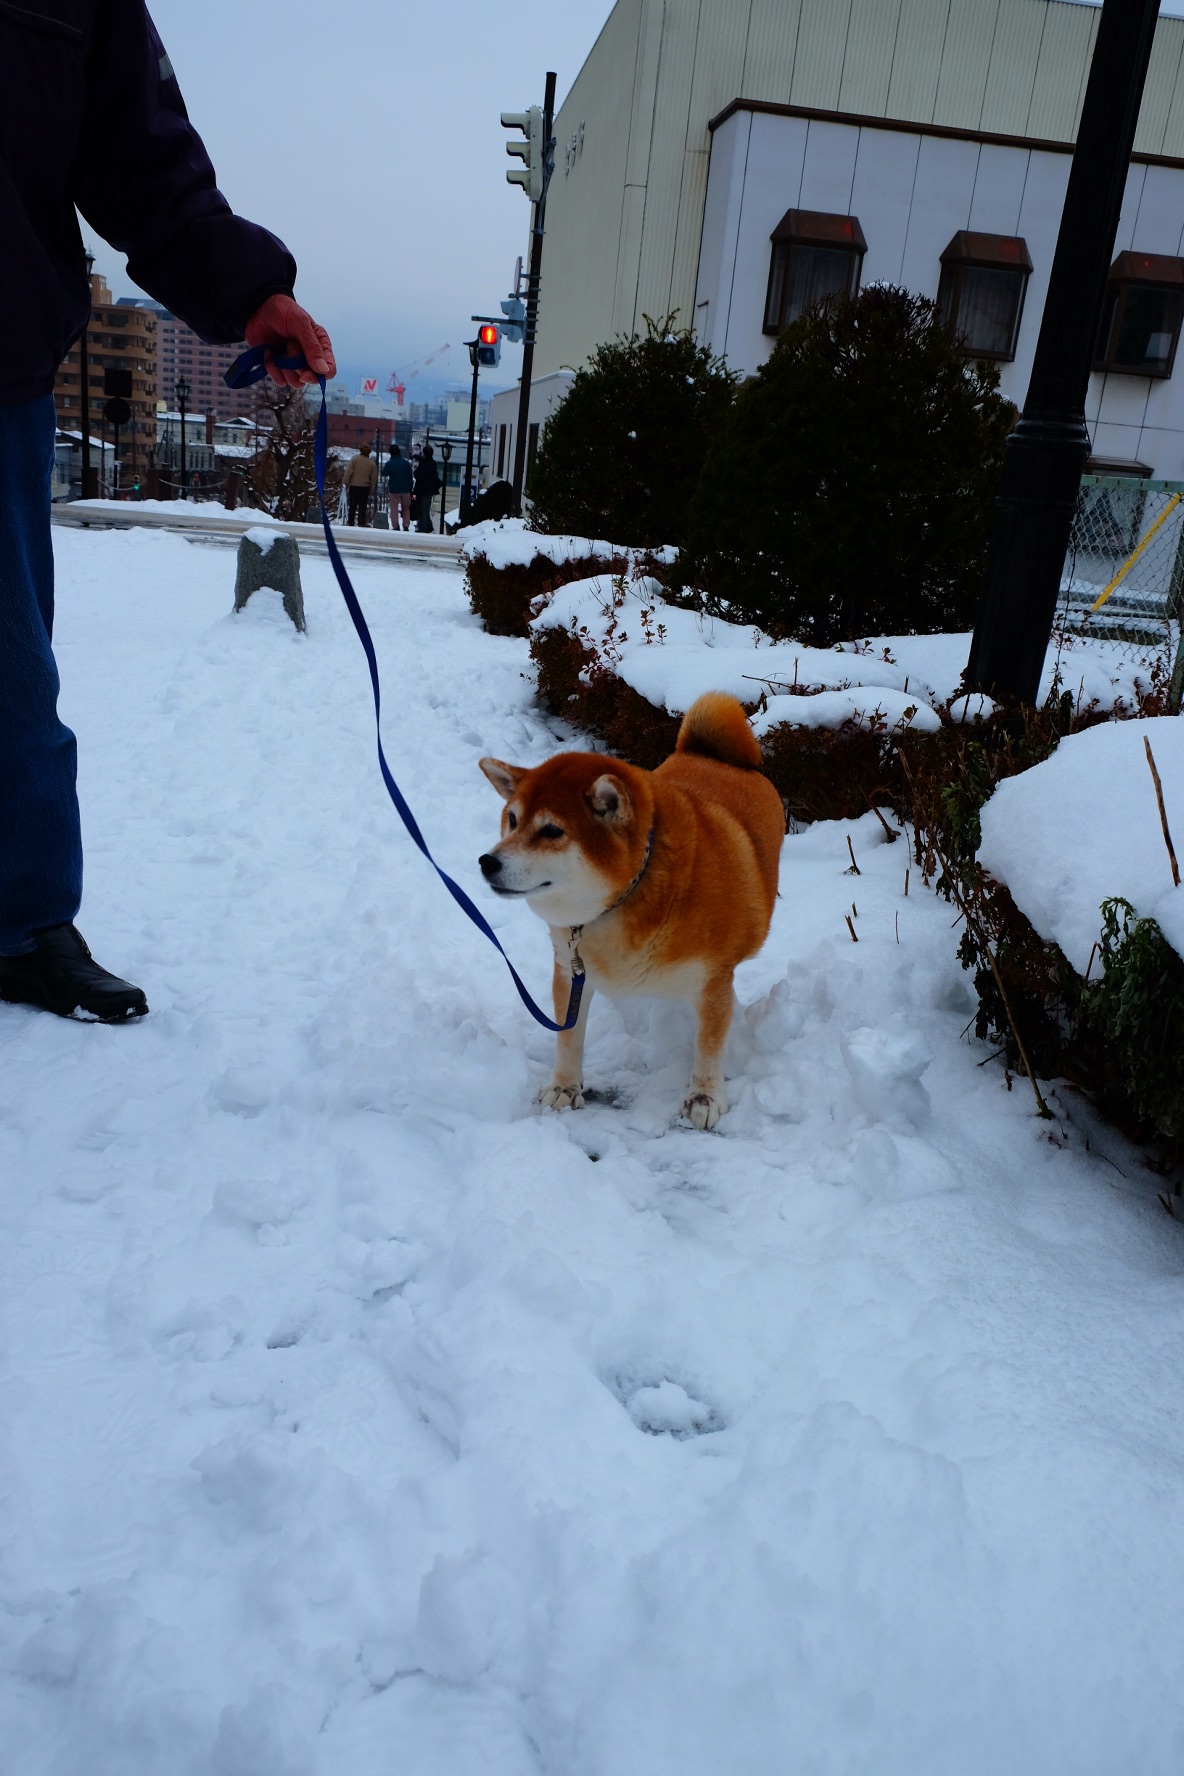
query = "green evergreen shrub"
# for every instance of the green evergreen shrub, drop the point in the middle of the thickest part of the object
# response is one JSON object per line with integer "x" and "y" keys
{"x": 848, "y": 490}
{"x": 621, "y": 457}
{"x": 1137, "y": 1010}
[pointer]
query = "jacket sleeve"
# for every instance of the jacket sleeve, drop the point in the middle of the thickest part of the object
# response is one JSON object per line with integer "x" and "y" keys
{"x": 143, "y": 180}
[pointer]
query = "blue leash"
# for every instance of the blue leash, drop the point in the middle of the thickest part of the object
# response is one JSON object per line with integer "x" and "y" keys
{"x": 247, "y": 369}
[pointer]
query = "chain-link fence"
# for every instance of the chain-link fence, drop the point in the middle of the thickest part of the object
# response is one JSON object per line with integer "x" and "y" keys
{"x": 1124, "y": 573}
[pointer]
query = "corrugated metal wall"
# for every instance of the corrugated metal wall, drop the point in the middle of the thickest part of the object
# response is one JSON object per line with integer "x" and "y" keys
{"x": 624, "y": 225}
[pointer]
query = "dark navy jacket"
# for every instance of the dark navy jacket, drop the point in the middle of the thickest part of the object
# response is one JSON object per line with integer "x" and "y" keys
{"x": 398, "y": 475}
{"x": 91, "y": 115}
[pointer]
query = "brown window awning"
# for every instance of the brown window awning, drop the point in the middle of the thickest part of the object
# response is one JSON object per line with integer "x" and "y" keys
{"x": 1004, "y": 252}
{"x": 818, "y": 228}
{"x": 1148, "y": 268}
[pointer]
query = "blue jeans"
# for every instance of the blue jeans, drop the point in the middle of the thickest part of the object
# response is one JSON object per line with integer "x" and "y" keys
{"x": 40, "y": 841}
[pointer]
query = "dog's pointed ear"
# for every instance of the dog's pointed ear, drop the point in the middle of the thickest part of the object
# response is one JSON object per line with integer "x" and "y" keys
{"x": 505, "y": 778}
{"x": 610, "y": 800}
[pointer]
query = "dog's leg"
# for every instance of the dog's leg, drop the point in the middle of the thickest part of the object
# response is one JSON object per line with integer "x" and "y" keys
{"x": 707, "y": 1103}
{"x": 566, "y": 1090}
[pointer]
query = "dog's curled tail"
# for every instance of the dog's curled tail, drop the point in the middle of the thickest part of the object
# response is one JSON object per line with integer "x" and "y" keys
{"x": 715, "y": 726}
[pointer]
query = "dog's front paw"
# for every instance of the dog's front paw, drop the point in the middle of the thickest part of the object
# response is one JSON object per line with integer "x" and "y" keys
{"x": 562, "y": 1097}
{"x": 704, "y": 1109}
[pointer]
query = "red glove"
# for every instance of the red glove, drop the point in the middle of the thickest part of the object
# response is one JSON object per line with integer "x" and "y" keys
{"x": 280, "y": 321}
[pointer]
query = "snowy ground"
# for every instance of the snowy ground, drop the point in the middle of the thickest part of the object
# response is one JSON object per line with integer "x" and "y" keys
{"x": 358, "y": 1419}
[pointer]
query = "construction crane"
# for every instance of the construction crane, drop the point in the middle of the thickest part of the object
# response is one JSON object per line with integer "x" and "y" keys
{"x": 397, "y": 387}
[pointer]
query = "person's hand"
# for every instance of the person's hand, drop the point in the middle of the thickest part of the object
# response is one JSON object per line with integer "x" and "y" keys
{"x": 280, "y": 321}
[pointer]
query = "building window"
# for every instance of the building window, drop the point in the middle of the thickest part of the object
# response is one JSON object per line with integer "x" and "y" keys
{"x": 1141, "y": 315}
{"x": 501, "y": 451}
{"x": 814, "y": 255}
{"x": 981, "y": 293}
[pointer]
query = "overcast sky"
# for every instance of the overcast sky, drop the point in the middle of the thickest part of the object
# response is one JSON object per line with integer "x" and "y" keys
{"x": 367, "y": 136}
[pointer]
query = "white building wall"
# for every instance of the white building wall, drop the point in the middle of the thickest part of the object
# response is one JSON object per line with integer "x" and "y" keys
{"x": 625, "y": 226}
{"x": 913, "y": 191}
{"x": 546, "y": 393}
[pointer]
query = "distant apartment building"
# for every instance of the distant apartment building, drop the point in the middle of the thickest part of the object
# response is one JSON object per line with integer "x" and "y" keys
{"x": 182, "y": 356}
{"x": 358, "y": 428}
{"x": 117, "y": 338}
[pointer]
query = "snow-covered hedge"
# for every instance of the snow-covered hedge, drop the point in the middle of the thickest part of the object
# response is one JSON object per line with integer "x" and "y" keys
{"x": 1084, "y": 826}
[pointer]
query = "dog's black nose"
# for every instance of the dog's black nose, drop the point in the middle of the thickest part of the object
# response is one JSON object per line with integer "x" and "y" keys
{"x": 490, "y": 865}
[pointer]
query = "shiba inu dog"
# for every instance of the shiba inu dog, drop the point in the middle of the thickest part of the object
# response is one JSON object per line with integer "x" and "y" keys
{"x": 658, "y": 882}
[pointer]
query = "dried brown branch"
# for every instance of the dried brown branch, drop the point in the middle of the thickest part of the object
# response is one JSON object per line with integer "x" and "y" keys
{"x": 1163, "y": 815}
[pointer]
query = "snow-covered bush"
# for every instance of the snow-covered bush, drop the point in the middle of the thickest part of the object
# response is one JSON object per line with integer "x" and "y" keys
{"x": 621, "y": 457}
{"x": 504, "y": 597}
{"x": 848, "y": 489}
{"x": 509, "y": 569}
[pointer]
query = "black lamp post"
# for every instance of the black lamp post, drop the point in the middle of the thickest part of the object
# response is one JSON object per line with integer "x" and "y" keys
{"x": 445, "y": 452}
{"x": 88, "y": 486}
{"x": 1047, "y": 451}
{"x": 182, "y": 393}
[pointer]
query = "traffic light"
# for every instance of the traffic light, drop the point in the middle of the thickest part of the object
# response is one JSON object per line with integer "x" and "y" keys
{"x": 489, "y": 346}
{"x": 514, "y": 310}
{"x": 531, "y": 152}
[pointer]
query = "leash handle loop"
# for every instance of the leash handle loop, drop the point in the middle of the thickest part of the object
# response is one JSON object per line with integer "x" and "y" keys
{"x": 251, "y": 367}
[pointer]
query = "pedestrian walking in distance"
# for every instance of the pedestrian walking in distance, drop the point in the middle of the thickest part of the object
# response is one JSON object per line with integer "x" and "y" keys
{"x": 67, "y": 70}
{"x": 361, "y": 478}
{"x": 400, "y": 479}
{"x": 427, "y": 486}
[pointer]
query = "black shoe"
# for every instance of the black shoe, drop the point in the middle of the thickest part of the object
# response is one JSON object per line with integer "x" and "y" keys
{"x": 61, "y": 975}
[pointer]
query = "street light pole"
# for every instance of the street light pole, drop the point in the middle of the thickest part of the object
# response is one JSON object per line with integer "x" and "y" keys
{"x": 446, "y": 453}
{"x": 182, "y": 393}
{"x": 88, "y": 488}
{"x": 1047, "y": 451}
{"x": 533, "y": 278}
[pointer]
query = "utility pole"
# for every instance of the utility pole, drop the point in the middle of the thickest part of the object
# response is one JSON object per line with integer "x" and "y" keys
{"x": 1047, "y": 451}
{"x": 534, "y": 179}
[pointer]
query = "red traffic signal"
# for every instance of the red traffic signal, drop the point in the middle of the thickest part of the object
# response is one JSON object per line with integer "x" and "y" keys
{"x": 489, "y": 345}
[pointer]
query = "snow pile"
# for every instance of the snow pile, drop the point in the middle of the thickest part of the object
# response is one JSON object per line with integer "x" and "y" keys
{"x": 671, "y": 656}
{"x": 895, "y": 710}
{"x": 262, "y": 537}
{"x": 688, "y": 654}
{"x": 506, "y": 542}
{"x": 357, "y": 1417}
{"x": 1084, "y": 825}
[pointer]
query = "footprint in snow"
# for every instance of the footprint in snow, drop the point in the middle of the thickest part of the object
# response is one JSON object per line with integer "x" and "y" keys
{"x": 666, "y": 1408}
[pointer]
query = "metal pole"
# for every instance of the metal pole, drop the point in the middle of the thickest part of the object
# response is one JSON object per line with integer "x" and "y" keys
{"x": 465, "y": 495}
{"x": 88, "y": 490}
{"x": 446, "y": 455}
{"x": 1047, "y": 451}
{"x": 532, "y": 300}
{"x": 184, "y": 459}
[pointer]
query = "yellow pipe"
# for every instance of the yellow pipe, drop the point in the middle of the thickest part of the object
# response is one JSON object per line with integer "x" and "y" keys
{"x": 1134, "y": 556}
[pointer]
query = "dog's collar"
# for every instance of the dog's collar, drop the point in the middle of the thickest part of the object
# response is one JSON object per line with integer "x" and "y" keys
{"x": 649, "y": 845}
{"x": 575, "y": 932}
